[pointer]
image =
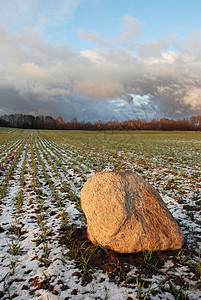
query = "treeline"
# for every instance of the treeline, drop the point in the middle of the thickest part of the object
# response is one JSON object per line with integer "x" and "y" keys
{"x": 47, "y": 122}
{"x": 27, "y": 121}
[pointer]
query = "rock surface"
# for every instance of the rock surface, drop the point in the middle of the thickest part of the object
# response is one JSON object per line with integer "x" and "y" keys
{"x": 127, "y": 215}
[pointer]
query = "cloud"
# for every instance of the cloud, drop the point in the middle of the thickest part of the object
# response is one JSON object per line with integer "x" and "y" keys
{"x": 38, "y": 77}
{"x": 131, "y": 31}
{"x": 43, "y": 17}
{"x": 94, "y": 37}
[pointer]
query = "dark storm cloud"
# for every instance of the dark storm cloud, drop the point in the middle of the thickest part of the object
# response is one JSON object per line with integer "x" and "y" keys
{"x": 39, "y": 78}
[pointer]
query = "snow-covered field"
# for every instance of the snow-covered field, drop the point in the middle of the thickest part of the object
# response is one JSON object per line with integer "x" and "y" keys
{"x": 44, "y": 252}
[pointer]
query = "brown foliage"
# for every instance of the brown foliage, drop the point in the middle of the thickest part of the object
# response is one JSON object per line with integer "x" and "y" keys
{"x": 47, "y": 122}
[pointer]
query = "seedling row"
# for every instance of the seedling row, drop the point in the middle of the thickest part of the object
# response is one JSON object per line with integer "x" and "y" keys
{"x": 45, "y": 253}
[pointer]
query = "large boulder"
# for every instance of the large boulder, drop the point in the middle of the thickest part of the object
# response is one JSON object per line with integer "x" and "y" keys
{"x": 127, "y": 215}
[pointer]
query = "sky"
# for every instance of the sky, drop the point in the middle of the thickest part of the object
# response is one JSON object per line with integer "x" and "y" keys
{"x": 101, "y": 59}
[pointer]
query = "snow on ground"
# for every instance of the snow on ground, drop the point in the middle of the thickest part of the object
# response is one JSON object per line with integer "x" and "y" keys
{"x": 42, "y": 177}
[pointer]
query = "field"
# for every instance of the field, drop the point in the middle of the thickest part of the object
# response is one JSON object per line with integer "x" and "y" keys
{"x": 44, "y": 251}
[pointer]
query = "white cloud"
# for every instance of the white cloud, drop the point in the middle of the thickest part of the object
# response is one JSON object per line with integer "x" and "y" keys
{"x": 131, "y": 31}
{"x": 94, "y": 37}
{"x": 36, "y": 76}
{"x": 37, "y": 15}
{"x": 193, "y": 98}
